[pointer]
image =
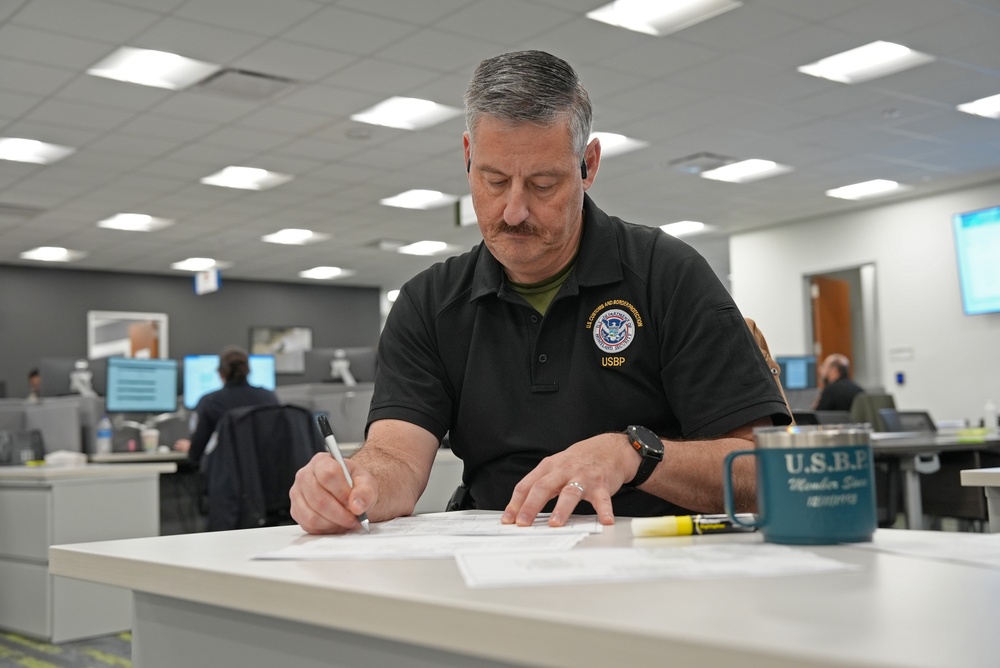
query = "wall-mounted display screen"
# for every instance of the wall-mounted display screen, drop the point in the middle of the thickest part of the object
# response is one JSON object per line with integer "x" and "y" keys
{"x": 977, "y": 243}
{"x": 201, "y": 375}
{"x": 141, "y": 385}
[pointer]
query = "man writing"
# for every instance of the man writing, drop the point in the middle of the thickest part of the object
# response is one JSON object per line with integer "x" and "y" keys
{"x": 540, "y": 348}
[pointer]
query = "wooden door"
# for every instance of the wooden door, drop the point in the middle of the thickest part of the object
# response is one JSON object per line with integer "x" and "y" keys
{"x": 831, "y": 314}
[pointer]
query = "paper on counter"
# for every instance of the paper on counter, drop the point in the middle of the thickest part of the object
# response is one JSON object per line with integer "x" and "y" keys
{"x": 421, "y": 546}
{"x": 623, "y": 564}
{"x": 970, "y": 548}
{"x": 440, "y": 535}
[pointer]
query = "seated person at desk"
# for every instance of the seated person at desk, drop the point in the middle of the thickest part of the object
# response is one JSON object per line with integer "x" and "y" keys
{"x": 234, "y": 367}
{"x": 837, "y": 390}
{"x": 34, "y": 385}
{"x": 538, "y": 349}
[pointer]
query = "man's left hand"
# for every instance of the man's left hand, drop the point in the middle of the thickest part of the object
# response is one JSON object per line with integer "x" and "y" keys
{"x": 586, "y": 471}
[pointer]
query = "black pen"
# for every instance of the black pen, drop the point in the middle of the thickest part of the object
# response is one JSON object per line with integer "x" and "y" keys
{"x": 334, "y": 449}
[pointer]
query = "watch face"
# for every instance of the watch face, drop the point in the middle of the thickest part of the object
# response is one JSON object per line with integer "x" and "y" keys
{"x": 644, "y": 439}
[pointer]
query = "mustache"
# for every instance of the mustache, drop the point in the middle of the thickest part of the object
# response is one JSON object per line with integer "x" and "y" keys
{"x": 522, "y": 229}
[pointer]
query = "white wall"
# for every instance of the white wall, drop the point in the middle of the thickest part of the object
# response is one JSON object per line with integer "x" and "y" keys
{"x": 955, "y": 363}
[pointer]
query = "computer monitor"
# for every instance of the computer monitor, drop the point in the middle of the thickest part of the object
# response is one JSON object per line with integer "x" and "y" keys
{"x": 798, "y": 372}
{"x": 201, "y": 375}
{"x": 55, "y": 374}
{"x": 141, "y": 385}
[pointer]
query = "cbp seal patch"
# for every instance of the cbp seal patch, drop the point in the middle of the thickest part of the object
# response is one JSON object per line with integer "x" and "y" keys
{"x": 614, "y": 330}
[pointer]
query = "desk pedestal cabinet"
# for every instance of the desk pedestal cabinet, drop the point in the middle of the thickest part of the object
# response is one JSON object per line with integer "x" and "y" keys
{"x": 42, "y": 506}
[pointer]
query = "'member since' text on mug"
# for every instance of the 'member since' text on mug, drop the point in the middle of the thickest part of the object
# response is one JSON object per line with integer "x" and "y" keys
{"x": 815, "y": 484}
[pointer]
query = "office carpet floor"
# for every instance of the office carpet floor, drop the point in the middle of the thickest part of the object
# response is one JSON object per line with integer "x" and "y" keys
{"x": 19, "y": 652}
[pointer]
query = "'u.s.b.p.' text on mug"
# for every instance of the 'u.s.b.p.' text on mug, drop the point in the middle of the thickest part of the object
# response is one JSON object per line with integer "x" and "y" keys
{"x": 815, "y": 483}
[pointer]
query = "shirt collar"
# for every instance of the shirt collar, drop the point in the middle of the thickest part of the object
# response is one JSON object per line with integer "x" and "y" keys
{"x": 597, "y": 262}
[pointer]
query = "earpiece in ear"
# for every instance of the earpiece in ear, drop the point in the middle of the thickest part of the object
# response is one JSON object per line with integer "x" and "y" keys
{"x": 583, "y": 169}
{"x": 468, "y": 166}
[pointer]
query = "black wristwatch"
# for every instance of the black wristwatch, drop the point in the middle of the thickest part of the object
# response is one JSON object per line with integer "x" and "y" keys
{"x": 650, "y": 448}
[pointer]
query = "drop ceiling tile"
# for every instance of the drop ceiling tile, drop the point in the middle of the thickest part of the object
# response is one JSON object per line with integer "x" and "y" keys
{"x": 516, "y": 20}
{"x": 86, "y": 116}
{"x": 33, "y": 78}
{"x": 196, "y": 40}
{"x": 348, "y": 31}
{"x": 381, "y": 77}
{"x": 298, "y": 62}
{"x": 87, "y": 19}
{"x": 263, "y": 17}
{"x": 440, "y": 51}
{"x": 46, "y": 48}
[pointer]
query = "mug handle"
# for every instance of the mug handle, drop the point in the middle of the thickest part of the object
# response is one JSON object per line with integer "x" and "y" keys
{"x": 727, "y": 489}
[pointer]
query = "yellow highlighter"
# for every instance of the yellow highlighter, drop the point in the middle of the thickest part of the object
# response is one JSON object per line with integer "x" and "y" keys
{"x": 687, "y": 525}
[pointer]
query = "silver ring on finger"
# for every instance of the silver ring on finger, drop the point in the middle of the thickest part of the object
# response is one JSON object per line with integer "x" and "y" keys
{"x": 576, "y": 485}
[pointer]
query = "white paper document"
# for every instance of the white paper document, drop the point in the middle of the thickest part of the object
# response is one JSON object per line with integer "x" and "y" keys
{"x": 421, "y": 546}
{"x": 623, "y": 564}
{"x": 970, "y": 548}
{"x": 439, "y": 536}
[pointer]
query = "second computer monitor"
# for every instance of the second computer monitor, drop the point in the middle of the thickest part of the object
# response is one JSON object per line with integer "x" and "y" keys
{"x": 797, "y": 372}
{"x": 141, "y": 385}
{"x": 201, "y": 375}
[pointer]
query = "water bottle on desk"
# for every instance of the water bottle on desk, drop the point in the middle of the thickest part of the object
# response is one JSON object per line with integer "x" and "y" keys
{"x": 102, "y": 444}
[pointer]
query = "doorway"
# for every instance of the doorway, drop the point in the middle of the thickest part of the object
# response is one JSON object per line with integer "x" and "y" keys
{"x": 843, "y": 318}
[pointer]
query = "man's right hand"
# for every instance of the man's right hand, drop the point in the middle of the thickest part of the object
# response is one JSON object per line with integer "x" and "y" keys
{"x": 323, "y": 502}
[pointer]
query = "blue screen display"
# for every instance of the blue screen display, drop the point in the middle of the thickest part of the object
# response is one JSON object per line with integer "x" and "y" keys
{"x": 141, "y": 385}
{"x": 977, "y": 243}
{"x": 797, "y": 372}
{"x": 201, "y": 375}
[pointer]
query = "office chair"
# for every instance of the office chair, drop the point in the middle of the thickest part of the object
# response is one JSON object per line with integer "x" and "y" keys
{"x": 258, "y": 451}
{"x": 866, "y": 406}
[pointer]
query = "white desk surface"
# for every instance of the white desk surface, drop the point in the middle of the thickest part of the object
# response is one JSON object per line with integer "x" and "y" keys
{"x": 46, "y": 473}
{"x": 896, "y": 611}
{"x": 989, "y": 477}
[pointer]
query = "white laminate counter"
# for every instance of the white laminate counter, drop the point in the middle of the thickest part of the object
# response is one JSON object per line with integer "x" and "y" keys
{"x": 201, "y": 599}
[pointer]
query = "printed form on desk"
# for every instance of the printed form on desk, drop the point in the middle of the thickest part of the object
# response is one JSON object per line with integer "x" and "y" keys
{"x": 439, "y": 536}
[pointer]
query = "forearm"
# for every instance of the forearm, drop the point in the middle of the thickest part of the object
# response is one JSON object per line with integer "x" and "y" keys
{"x": 690, "y": 474}
{"x": 399, "y": 456}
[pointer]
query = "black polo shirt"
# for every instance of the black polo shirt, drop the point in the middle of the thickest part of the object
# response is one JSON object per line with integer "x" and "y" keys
{"x": 642, "y": 332}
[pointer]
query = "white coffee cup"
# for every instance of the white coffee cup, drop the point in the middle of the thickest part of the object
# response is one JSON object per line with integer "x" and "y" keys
{"x": 150, "y": 439}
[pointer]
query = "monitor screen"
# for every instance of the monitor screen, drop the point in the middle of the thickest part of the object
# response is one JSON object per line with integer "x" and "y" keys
{"x": 797, "y": 372}
{"x": 977, "y": 243}
{"x": 141, "y": 385}
{"x": 201, "y": 375}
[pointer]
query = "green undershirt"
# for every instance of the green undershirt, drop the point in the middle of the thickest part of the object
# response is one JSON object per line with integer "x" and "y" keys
{"x": 540, "y": 295}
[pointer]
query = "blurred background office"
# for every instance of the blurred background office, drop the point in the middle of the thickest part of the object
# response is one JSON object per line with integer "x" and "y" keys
{"x": 131, "y": 205}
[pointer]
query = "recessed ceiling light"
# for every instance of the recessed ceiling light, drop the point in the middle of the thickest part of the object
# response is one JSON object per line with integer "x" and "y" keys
{"x": 660, "y": 17}
{"x": 866, "y": 189}
{"x": 684, "y": 227}
{"x": 391, "y": 296}
{"x": 424, "y": 248}
{"x": 135, "y": 222}
{"x": 745, "y": 171}
{"x": 419, "y": 199}
{"x": 614, "y": 144}
{"x": 32, "y": 150}
{"x": 246, "y": 178}
{"x": 325, "y": 273}
{"x": 406, "y": 113}
{"x": 200, "y": 264}
{"x": 866, "y": 62}
{"x": 988, "y": 107}
{"x": 294, "y": 237}
{"x": 52, "y": 254}
{"x": 153, "y": 68}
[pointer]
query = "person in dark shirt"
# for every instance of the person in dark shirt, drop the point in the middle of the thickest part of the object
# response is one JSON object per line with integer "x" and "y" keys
{"x": 234, "y": 367}
{"x": 837, "y": 390}
{"x": 576, "y": 361}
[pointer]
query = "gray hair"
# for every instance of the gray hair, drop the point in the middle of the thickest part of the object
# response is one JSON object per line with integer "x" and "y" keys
{"x": 529, "y": 87}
